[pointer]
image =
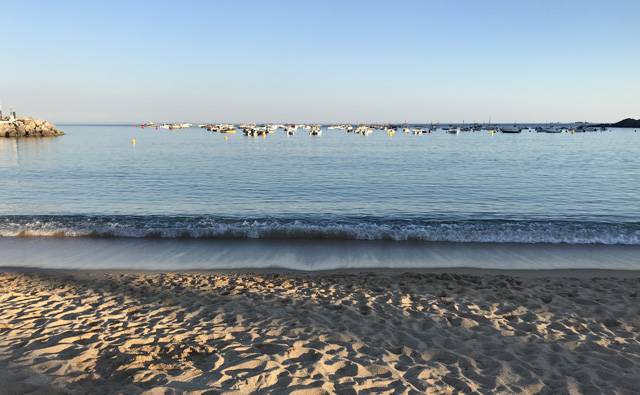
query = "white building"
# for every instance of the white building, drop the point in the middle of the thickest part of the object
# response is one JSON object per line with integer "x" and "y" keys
{"x": 9, "y": 119}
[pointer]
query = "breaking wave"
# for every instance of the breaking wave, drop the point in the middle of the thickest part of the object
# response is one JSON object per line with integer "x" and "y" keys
{"x": 208, "y": 227}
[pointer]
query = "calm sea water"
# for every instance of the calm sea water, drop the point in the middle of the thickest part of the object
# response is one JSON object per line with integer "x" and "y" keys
{"x": 474, "y": 187}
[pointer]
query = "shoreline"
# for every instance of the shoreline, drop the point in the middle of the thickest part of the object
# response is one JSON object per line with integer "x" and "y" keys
{"x": 579, "y": 273}
{"x": 346, "y": 331}
{"x": 179, "y": 254}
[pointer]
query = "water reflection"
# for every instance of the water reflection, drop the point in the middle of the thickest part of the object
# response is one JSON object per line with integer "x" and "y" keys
{"x": 97, "y": 170}
{"x": 15, "y": 152}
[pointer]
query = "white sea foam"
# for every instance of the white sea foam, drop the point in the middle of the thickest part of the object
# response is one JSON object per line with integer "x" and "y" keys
{"x": 207, "y": 227}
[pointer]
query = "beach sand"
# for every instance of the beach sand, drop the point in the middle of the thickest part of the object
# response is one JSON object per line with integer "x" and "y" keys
{"x": 325, "y": 332}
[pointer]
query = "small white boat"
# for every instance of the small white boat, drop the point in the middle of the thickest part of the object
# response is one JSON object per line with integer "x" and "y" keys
{"x": 363, "y": 130}
{"x": 315, "y": 131}
{"x": 548, "y": 130}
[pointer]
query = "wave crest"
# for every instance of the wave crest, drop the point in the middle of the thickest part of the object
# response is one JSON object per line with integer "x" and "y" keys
{"x": 205, "y": 227}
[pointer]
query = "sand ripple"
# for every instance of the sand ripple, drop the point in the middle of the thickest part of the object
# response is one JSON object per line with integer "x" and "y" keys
{"x": 95, "y": 332}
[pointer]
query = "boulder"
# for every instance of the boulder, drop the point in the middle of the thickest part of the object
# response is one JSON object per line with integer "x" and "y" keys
{"x": 29, "y": 127}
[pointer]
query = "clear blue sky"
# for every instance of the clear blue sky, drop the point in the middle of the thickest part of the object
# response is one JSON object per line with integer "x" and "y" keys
{"x": 321, "y": 61}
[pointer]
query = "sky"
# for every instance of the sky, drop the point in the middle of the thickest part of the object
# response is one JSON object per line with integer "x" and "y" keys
{"x": 321, "y": 61}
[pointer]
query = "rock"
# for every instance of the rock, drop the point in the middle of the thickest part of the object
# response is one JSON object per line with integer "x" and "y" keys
{"x": 29, "y": 127}
{"x": 546, "y": 298}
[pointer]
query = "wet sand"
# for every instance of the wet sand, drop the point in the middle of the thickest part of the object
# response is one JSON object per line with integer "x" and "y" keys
{"x": 212, "y": 254}
{"x": 266, "y": 331}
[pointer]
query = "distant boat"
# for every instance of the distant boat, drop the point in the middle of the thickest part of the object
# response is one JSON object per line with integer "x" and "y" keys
{"x": 273, "y": 128}
{"x": 254, "y": 131}
{"x": 453, "y": 130}
{"x": 172, "y": 126}
{"x": 315, "y": 131}
{"x": 363, "y": 130}
{"x": 548, "y": 130}
{"x": 510, "y": 129}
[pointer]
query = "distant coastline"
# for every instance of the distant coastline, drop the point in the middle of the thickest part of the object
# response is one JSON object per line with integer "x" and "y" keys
{"x": 626, "y": 123}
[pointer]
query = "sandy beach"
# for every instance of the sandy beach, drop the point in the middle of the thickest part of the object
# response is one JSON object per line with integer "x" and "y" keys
{"x": 471, "y": 331}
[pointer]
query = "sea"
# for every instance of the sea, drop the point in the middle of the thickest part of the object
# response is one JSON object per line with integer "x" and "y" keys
{"x": 126, "y": 197}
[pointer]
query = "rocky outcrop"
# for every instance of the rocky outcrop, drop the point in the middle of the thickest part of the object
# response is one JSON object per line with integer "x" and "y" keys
{"x": 28, "y": 127}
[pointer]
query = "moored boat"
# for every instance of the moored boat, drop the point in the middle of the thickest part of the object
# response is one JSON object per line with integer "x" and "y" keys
{"x": 546, "y": 129}
{"x": 510, "y": 129}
